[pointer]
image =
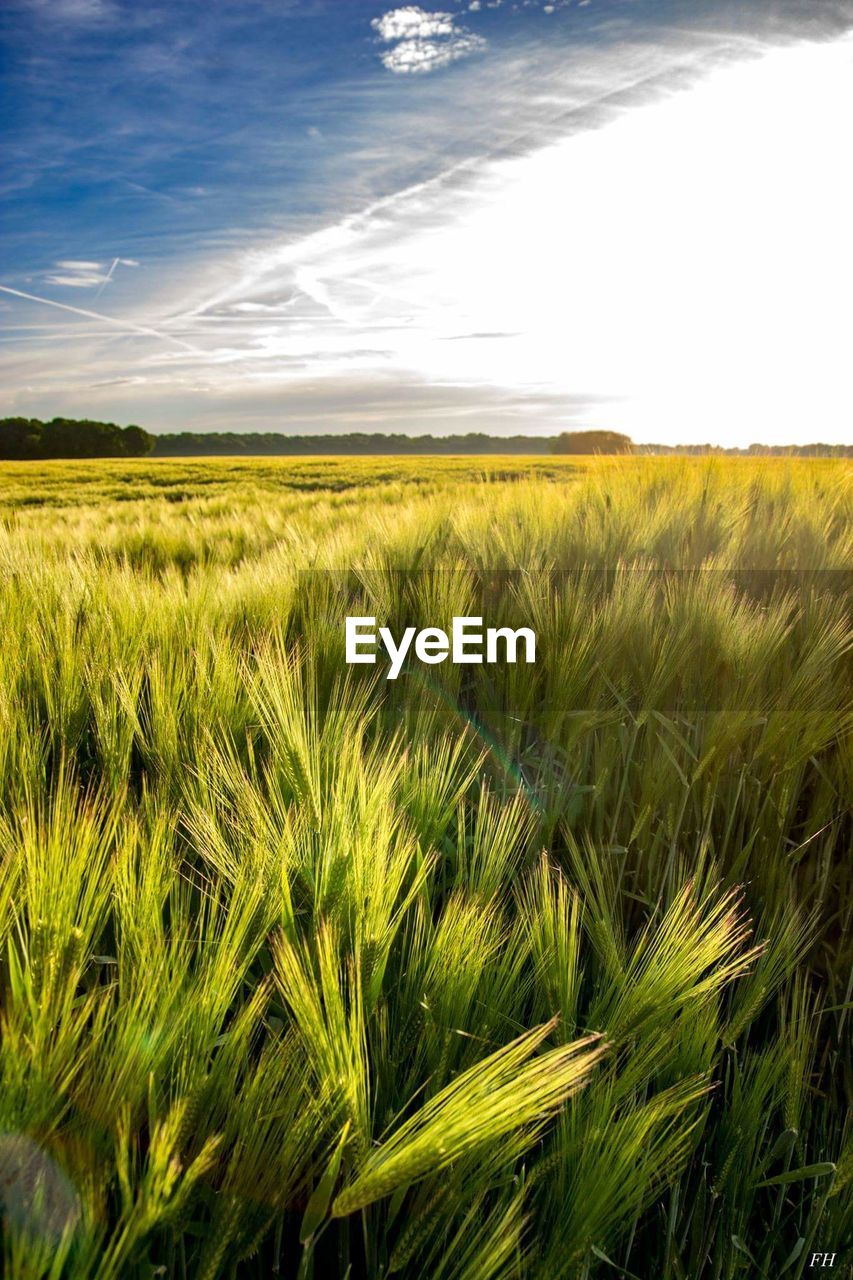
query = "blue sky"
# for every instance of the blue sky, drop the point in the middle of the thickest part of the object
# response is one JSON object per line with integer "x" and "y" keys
{"x": 307, "y": 215}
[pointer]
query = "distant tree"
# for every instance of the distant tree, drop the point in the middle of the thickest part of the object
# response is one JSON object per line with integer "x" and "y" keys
{"x": 137, "y": 442}
{"x": 592, "y": 442}
{"x": 20, "y": 437}
{"x": 28, "y": 438}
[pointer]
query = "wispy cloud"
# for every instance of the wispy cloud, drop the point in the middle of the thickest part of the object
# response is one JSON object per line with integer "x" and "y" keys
{"x": 79, "y": 11}
{"x": 73, "y": 273}
{"x": 127, "y": 326}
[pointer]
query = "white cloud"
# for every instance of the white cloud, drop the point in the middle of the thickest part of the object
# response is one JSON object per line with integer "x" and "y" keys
{"x": 423, "y": 41}
{"x": 77, "y": 273}
{"x": 74, "y": 282}
{"x": 413, "y": 23}
{"x": 74, "y": 273}
{"x": 429, "y": 55}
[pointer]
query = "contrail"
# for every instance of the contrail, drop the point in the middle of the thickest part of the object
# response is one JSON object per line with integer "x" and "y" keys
{"x": 96, "y": 315}
{"x": 108, "y": 277}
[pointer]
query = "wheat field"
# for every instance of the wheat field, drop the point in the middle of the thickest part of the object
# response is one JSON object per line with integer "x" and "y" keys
{"x": 538, "y": 972}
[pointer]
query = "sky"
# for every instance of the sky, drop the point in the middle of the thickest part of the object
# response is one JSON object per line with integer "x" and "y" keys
{"x": 473, "y": 215}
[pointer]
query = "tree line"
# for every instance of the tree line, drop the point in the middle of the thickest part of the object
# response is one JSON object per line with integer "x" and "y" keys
{"x": 274, "y": 444}
{"x": 30, "y": 438}
{"x": 230, "y": 443}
